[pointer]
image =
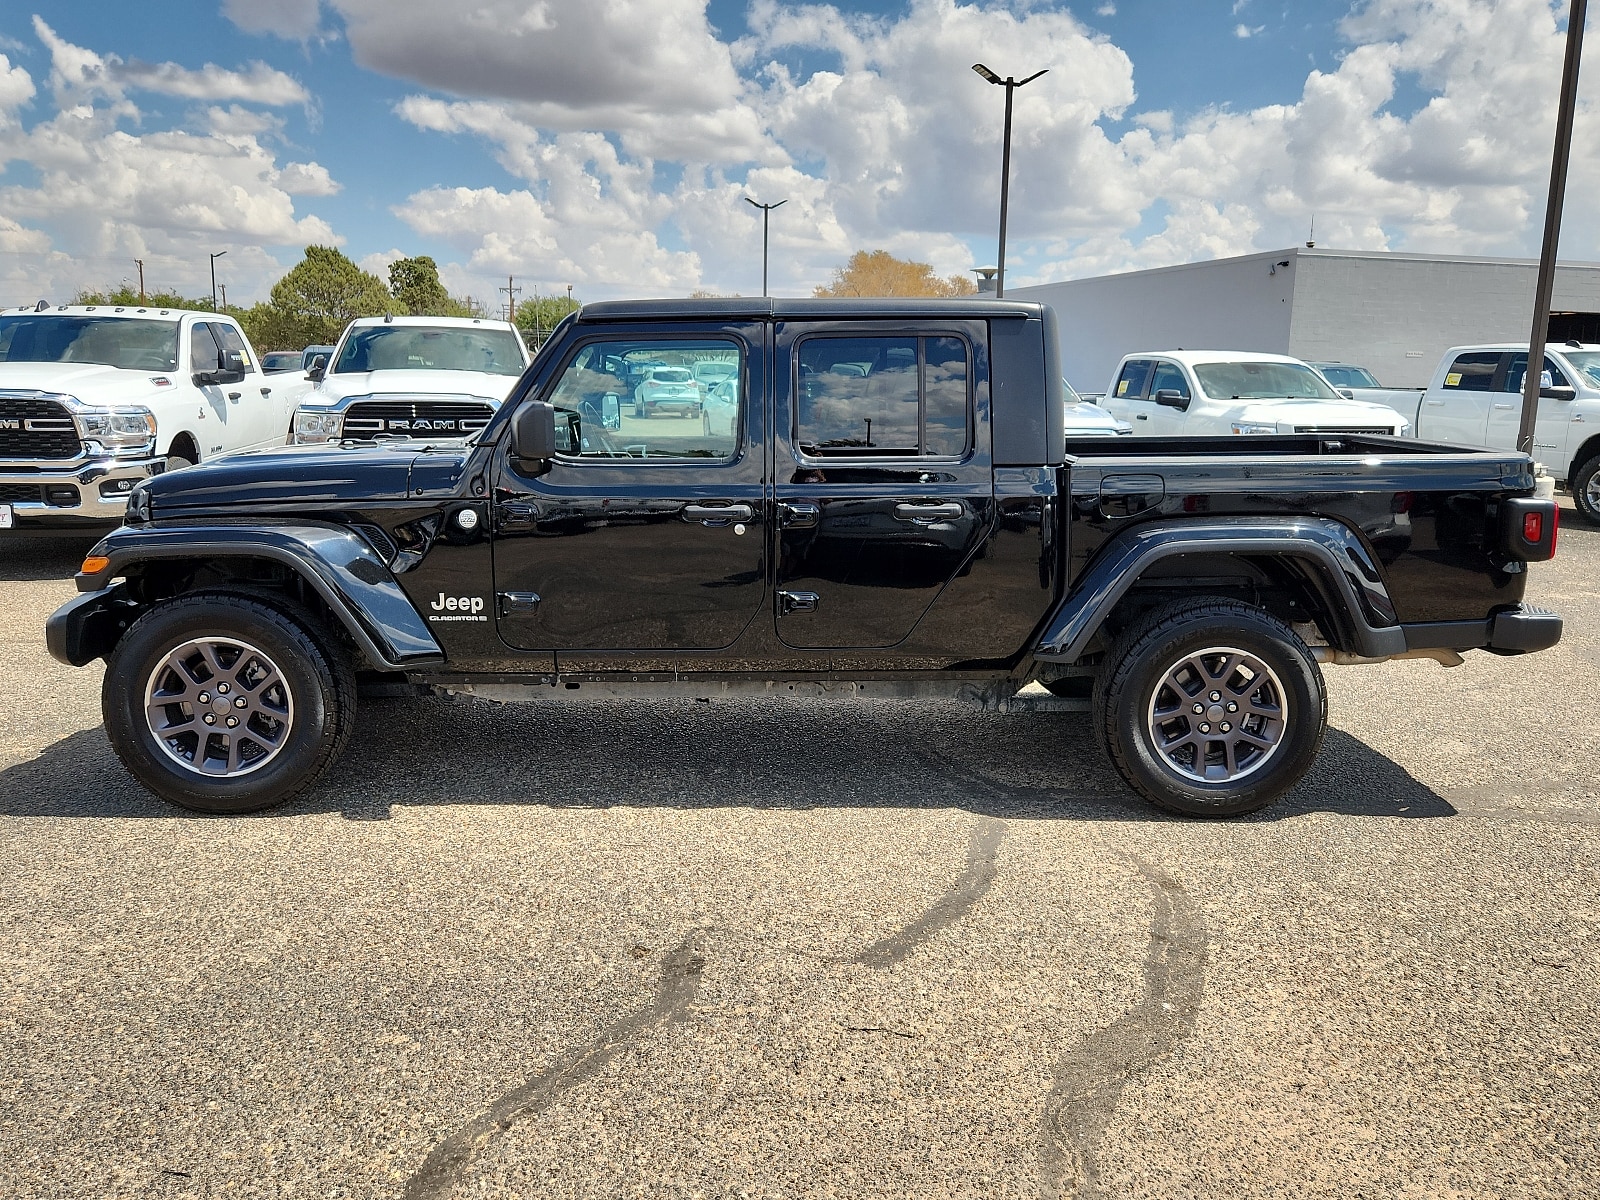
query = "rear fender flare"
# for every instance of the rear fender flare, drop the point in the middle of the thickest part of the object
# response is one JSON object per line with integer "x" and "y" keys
{"x": 1338, "y": 565}
{"x": 336, "y": 562}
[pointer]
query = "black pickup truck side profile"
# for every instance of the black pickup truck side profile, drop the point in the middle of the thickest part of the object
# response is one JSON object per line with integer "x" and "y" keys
{"x": 868, "y": 498}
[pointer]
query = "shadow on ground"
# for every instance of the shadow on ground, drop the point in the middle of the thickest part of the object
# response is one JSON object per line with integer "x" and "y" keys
{"x": 25, "y": 558}
{"x": 785, "y": 754}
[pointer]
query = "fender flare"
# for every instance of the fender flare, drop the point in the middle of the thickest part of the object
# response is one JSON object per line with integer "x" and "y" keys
{"x": 335, "y": 561}
{"x": 1340, "y": 564}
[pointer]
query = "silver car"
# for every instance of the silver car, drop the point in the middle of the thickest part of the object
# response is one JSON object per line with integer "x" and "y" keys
{"x": 667, "y": 387}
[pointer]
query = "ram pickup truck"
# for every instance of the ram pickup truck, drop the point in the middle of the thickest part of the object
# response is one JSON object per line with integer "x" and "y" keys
{"x": 895, "y": 512}
{"x": 401, "y": 376}
{"x": 1188, "y": 393}
{"x": 95, "y": 398}
{"x": 1358, "y": 383}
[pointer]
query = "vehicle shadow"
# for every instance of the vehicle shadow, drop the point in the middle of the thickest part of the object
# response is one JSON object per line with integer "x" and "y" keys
{"x": 33, "y": 557}
{"x": 788, "y": 754}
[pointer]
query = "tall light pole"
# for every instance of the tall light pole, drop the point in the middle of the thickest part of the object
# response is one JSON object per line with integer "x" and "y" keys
{"x": 1010, "y": 85}
{"x": 214, "y": 258}
{"x": 766, "y": 216}
{"x": 1552, "y": 226}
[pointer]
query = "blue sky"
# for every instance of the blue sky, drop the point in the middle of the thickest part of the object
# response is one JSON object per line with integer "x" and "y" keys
{"x": 608, "y": 143}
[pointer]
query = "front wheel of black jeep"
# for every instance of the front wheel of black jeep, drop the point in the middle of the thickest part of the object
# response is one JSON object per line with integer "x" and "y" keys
{"x": 224, "y": 704}
{"x": 1211, "y": 708}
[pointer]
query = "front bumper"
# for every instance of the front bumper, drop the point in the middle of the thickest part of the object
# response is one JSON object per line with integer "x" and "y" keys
{"x": 85, "y": 494}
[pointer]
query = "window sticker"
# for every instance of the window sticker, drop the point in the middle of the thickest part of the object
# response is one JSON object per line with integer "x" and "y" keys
{"x": 1453, "y": 379}
{"x": 1122, "y": 387}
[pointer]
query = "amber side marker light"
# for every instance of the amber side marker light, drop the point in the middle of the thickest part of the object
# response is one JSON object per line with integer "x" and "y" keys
{"x": 95, "y": 563}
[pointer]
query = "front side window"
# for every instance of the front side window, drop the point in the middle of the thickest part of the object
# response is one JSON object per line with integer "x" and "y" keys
{"x": 1473, "y": 372}
{"x": 1262, "y": 381}
{"x": 654, "y": 399}
{"x": 131, "y": 345}
{"x": 1169, "y": 378}
{"x": 883, "y": 396}
{"x": 430, "y": 348}
{"x": 1517, "y": 373}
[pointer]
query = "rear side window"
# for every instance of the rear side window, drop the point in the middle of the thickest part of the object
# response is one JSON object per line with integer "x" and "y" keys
{"x": 1473, "y": 372}
{"x": 1131, "y": 383}
{"x": 883, "y": 396}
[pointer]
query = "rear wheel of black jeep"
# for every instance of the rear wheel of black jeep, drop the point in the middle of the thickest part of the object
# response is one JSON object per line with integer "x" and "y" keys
{"x": 226, "y": 704}
{"x": 1585, "y": 485}
{"x": 1211, "y": 708}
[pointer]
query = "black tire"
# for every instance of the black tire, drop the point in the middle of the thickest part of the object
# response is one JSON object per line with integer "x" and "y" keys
{"x": 639, "y": 410}
{"x": 319, "y": 679}
{"x": 1587, "y": 503}
{"x": 1128, "y": 720}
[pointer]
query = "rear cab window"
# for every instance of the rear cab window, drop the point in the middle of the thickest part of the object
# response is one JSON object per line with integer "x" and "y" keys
{"x": 1132, "y": 384}
{"x": 1474, "y": 372}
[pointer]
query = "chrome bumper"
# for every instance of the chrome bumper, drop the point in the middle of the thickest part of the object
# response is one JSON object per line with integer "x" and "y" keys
{"x": 40, "y": 498}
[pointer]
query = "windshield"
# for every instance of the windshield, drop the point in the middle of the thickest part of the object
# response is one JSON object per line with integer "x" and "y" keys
{"x": 419, "y": 348}
{"x": 132, "y": 345}
{"x": 1262, "y": 381}
{"x": 1350, "y": 377}
{"x": 1587, "y": 364}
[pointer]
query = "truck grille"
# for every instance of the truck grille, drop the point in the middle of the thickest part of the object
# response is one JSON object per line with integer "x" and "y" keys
{"x": 33, "y": 427}
{"x": 20, "y": 493}
{"x": 452, "y": 418}
{"x": 1341, "y": 429}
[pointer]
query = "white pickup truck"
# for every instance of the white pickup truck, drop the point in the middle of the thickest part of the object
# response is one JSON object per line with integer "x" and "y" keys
{"x": 404, "y": 376}
{"x": 1195, "y": 393}
{"x": 1475, "y": 399}
{"x": 95, "y": 398}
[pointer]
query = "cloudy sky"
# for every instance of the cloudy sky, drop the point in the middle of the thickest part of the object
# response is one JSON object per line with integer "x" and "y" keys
{"x": 608, "y": 144}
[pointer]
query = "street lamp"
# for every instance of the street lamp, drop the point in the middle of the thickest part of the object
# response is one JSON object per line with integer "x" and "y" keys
{"x": 214, "y": 258}
{"x": 1010, "y": 86}
{"x": 766, "y": 216}
{"x": 1552, "y": 227}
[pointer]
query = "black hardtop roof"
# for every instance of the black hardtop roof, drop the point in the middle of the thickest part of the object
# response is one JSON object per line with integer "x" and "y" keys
{"x": 809, "y": 309}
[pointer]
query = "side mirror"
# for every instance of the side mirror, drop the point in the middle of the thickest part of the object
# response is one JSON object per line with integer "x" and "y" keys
{"x": 1559, "y": 392}
{"x": 319, "y": 369}
{"x": 1172, "y": 398}
{"x": 1347, "y": 393}
{"x": 232, "y": 367}
{"x": 533, "y": 433}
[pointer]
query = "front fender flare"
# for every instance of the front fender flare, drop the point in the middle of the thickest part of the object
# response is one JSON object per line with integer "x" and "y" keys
{"x": 335, "y": 561}
{"x": 1341, "y": 563}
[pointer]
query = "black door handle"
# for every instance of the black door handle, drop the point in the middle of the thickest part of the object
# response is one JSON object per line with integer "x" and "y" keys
{"x": 266, "y": 391}
{"x": 928, "y": 512}
{"x": 718, "y": 512}
{"x": 518, "y": 512}
{"x": 233, "y": 395}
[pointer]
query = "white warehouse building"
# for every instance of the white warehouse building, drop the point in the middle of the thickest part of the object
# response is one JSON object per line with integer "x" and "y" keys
{"x": 1395, "y": 314}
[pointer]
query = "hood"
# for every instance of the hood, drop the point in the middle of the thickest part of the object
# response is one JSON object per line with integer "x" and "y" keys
{"x": 1088, "y": 419}
{"x": 93, "y": 383}
{"x": 1325, "y": 413}
{"x": 306, "y": 476}
{"x": 411, "y": 383}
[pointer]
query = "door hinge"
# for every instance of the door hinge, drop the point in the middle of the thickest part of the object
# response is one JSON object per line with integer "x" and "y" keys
{"x": 518, "y": 604}
{"x": 793, "y": 602}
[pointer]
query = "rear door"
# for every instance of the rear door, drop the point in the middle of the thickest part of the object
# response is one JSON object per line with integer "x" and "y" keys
{"x": 882, "y": 475}
{"x": 1129, "y": 395}
{"x": 1458, "y": 410}
{"x": 649, "y": 536}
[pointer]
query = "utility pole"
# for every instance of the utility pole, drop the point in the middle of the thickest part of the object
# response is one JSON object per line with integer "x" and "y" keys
{"x": 224, "y": 288}
{"x": 139, "y": 262}
{"x": 512, "y": 291}
{"x": 766, "y": 216}
{"x": 1552, "y": 226}
{"x": 214, "y": 258}
{"x": 1011, "y": 85}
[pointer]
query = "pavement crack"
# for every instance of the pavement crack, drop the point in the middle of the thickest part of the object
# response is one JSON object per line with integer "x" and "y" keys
{"x": 450, "y": 1158}
{"x": 1090, "y": 1080}
{"x": 967, "y": 890}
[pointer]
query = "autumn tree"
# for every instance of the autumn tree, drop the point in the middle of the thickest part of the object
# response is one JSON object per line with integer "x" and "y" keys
{"x": 879, "y": 273}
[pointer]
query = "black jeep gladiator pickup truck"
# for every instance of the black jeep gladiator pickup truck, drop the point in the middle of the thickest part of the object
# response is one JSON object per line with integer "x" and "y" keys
{"x": 868, "y": 498}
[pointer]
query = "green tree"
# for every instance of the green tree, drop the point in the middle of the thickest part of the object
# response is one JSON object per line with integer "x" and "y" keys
{"x": 271, "y": 328}
{"x": 126, "y": 295}
{"x": 414, "y": 282}
{"x": 879, "y": 273}
{"x": 325, "y": 291}
{"x": 536, "y": 318}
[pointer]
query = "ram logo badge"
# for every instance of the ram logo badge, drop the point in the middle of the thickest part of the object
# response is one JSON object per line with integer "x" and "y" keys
{"x": 458, "y": 608}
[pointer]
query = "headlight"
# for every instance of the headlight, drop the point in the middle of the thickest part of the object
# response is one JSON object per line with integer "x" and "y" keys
{"x": 1404, "y": 430}
{"x": 123, "y": 431}
{"x": 315, "y": 425}
{"x": 1253, "y": 427}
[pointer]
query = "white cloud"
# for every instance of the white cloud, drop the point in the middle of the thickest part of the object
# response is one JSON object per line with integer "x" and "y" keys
{"x": 1247, "y": 31}
{"x": 1106, "y": 10}
{"x": 296, "y": 20}
{"x": 307, "y": 179}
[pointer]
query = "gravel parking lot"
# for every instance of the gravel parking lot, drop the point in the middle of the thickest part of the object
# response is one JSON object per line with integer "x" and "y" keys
{"x": 809, "y": 949}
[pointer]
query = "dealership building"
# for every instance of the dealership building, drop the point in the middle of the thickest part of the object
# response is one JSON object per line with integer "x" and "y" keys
{"x": 1394, "y": 314}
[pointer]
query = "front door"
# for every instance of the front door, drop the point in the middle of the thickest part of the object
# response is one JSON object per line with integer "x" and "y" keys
{"x": 1550, "y": 425}
{"x": 882, "y": 479}
{"x": 650, "y": 535}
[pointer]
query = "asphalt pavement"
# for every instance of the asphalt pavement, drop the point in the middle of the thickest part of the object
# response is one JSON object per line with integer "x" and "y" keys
{"x": 806, "y": 948}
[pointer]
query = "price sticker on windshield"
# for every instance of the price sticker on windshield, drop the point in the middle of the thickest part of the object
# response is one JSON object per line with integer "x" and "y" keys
{"x": 1122, "y": 387}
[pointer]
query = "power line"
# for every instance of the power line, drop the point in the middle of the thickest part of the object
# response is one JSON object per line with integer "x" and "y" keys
{"x": 512, "y": 291}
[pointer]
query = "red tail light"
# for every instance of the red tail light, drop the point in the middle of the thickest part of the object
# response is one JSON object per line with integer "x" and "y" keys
{"x": 1555, "y": 527}
{"x": 1533, "y": 527}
